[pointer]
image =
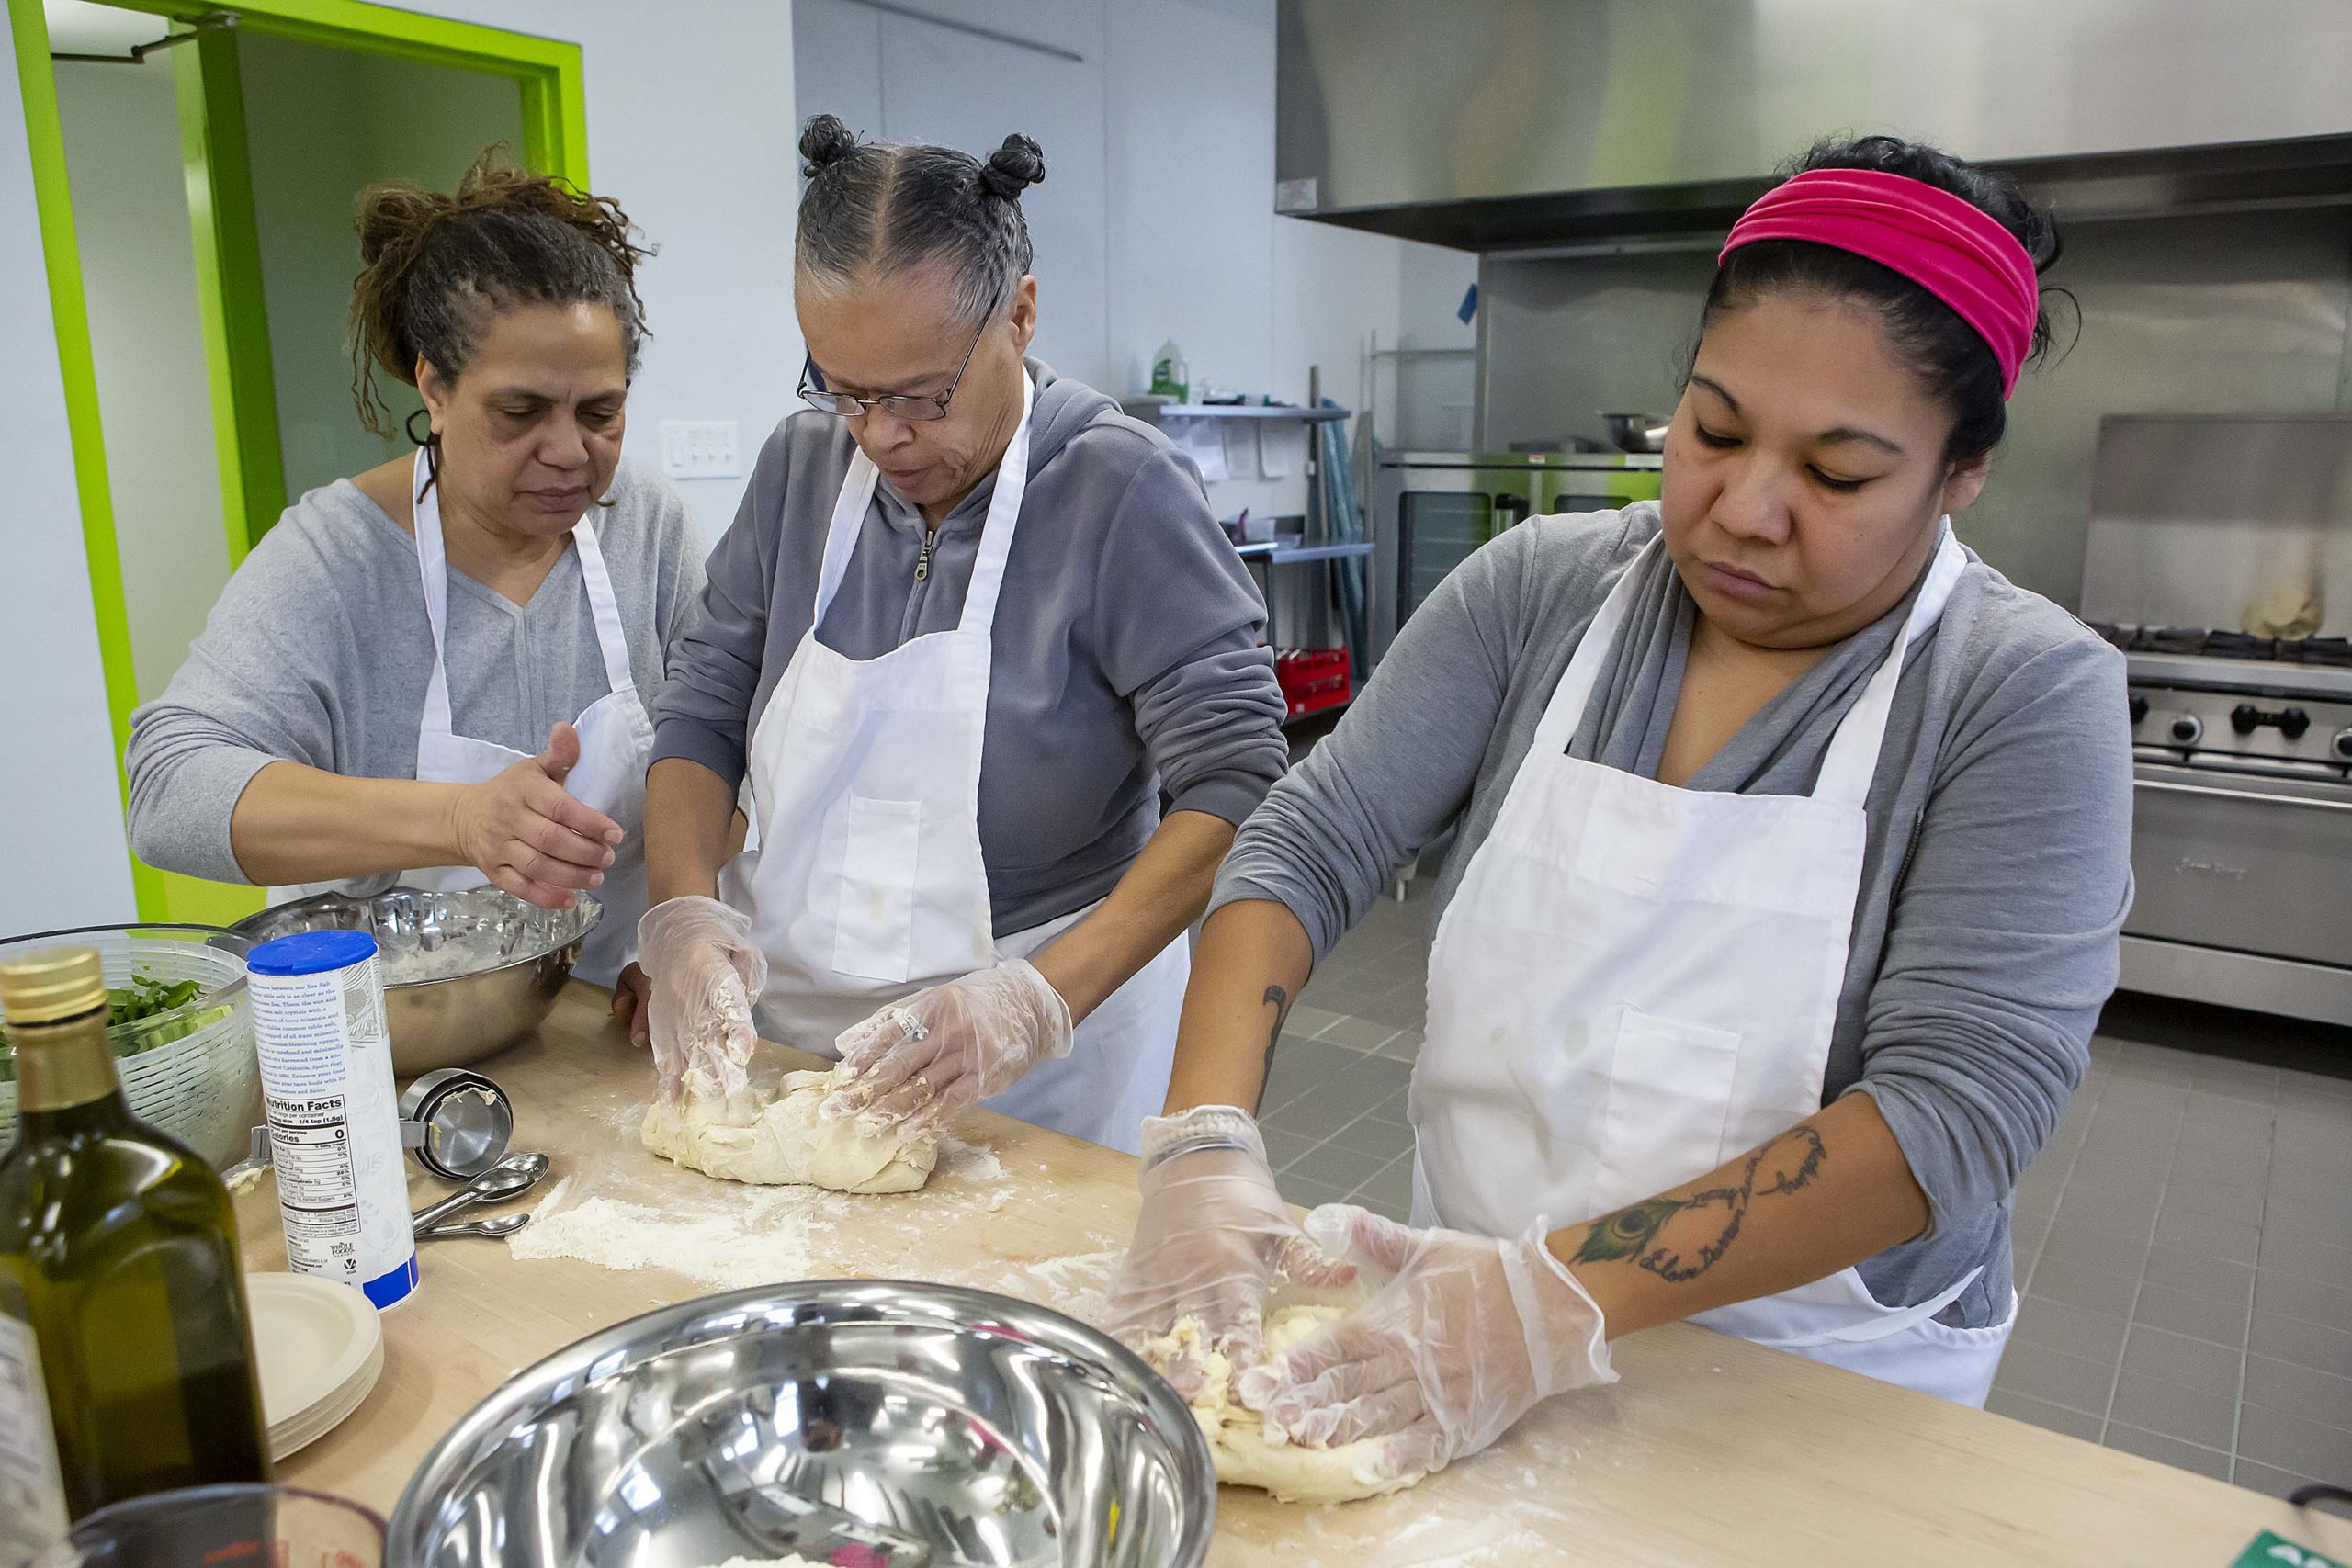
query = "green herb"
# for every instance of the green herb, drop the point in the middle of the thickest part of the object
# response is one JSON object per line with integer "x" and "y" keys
{"x": 144, "y": 998}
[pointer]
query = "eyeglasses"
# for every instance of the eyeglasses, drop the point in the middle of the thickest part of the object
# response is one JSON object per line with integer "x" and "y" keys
{"x": 842, "y": 405}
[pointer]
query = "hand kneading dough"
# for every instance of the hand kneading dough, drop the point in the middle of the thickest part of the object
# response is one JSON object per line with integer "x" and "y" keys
{"x": 770, "y": 1134}
{"x": 1245, "y": 1454}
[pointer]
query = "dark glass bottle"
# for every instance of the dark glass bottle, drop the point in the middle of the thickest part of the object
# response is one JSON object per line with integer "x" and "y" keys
{"x": 118, "y": 1262}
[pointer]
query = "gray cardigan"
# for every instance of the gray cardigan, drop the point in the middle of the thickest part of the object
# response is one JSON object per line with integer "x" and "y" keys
{"x": 318, "y": 652}
{"x": 1995, "y": 882}
{"x": 1126, "y": 652}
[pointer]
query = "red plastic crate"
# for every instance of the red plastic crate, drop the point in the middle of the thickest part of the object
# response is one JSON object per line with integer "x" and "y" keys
{"x": 1311, "y": 678}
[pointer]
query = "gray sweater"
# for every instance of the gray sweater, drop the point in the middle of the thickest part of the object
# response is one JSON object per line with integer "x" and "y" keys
{"x": 318, "y": 651}
{"x": 1126, "y": 653}
{"x": 1995, "y": 880}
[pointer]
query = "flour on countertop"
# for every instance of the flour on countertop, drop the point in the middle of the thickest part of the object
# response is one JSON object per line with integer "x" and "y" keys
{"x": 973, "y": 1162}
{"x": 756, "y": 1240}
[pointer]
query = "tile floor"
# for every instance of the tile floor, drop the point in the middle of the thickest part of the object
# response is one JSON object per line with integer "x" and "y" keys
{"x": 2184, "y": 1242}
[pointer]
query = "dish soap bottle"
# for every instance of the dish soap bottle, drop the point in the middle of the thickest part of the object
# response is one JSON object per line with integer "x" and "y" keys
{"x": 1171, "y": 377}
{"x": 122, "y": 1299}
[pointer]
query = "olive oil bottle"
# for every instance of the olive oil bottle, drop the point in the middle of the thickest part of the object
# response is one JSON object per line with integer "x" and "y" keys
{"x": 120, "y": 1289}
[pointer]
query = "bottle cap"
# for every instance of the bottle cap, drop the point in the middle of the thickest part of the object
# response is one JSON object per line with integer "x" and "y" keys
{"x": 51, "y": 983}
{"x": 310, "y": 953}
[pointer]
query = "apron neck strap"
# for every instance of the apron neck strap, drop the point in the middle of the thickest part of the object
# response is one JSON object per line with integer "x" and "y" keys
{"x": 1852, "y": 759}
{"x": 604, "y": 605}
{"x": 1566, "y": 710}
{"x": 1004, "y": 515}
{"x": 432, "y": 567}
{"x": 996, "y": 536}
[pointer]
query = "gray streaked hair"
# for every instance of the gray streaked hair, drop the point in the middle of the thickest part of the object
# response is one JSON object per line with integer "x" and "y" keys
{"x": 885, "y": 208}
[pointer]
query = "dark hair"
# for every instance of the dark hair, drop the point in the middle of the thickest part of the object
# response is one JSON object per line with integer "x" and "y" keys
{"x": 434, "y": 268}
{"x": 1945, "y": 351}
{"x": 893, "y": 207}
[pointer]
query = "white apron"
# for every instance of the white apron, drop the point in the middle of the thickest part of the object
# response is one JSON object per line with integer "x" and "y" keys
{"x": 1636, "y": 982}
{"x": 615, "y": 742}
{"x": 868, "y": 883}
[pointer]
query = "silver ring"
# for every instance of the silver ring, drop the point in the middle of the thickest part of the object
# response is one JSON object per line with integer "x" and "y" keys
{"x": 914, "y": 1031}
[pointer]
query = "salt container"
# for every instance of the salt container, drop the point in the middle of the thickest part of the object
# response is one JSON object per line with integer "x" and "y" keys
{"x": 335, "y": 1130}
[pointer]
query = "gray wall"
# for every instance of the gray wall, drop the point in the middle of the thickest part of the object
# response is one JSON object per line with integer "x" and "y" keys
{"x": 2198, "y": 315}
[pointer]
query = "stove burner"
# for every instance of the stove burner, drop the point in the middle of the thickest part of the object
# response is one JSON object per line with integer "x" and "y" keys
{"x": 2336, "y": 652}
{"x": 2333, "y": 651}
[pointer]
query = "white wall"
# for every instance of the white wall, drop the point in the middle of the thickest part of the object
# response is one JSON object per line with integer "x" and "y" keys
{"x": 690, "y": 124}
{"x": 122, "y": 149}
{"x": 62, "y": 858}
{"x": 1191, "y": 249}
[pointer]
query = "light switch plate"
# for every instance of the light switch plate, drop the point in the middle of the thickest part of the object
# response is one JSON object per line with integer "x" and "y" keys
{"x": 700, "y": 449}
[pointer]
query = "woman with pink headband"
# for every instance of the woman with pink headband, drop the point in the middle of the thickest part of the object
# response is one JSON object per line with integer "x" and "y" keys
{"x": 1791, "y": 848}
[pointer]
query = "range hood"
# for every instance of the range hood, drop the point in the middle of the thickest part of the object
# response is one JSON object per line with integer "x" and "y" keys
{"x": 1562, "y": 126}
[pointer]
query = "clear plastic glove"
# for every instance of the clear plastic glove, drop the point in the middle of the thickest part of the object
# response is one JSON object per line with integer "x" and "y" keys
{"x": 1469, "y": 1334}
{"x": 704, "y": 971}
{"x": 917, "y": 1063}
{"x": 1214, "y": 1240}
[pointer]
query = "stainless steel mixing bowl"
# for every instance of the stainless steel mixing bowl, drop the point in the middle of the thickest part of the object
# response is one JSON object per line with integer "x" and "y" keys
{"x": 450, "y": 1021}
{"x": 923, "y": 1424}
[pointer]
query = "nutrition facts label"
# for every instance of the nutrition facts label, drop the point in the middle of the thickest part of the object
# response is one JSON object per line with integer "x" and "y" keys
{"x": 311, "y": 1146}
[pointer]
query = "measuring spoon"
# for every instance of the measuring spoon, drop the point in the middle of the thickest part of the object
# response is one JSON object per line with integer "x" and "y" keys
{"x": 503, "y": 1224}
{"x": 511, "y": 1176}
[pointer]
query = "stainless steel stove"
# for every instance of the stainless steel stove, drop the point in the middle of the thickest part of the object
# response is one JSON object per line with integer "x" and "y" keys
{"x": 2242, "y": 739}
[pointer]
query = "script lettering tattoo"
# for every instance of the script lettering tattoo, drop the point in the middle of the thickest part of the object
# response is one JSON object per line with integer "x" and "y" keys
{"x": 1681, "y": 1238}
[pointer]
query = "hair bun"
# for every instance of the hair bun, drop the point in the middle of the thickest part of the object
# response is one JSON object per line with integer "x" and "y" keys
{"x": 825, "y": 141}
{"x": 1014, "y": 167}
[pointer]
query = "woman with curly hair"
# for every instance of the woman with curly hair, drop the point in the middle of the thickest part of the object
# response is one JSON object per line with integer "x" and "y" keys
{"x": 439, "y": 673}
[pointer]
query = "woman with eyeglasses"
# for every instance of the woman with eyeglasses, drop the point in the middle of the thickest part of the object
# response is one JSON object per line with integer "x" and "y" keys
{"x": 970, "y": 624}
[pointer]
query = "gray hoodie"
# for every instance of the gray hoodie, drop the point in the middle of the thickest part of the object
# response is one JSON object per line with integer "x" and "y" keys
{"x": 1127, "y": 660}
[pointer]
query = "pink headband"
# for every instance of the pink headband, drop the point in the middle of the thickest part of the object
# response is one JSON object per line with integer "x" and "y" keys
{"x": 1948, "y": 246}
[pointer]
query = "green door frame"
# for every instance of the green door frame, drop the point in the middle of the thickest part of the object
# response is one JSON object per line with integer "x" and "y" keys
{"x": 555, "y": 140}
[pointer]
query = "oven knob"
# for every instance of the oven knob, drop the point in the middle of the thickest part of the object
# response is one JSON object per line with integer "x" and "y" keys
{"x": 2138, "y": 708}
{"x": 2187, "y": 729}
{"x": 2245, "y": 719}
{"x": 2344, "y": 744}
{"x": 2293, "y": 722}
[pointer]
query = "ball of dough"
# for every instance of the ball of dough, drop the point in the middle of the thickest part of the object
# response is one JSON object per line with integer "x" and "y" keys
{"x": 1245, "y": 1452}
{"x": 771, "y": 1135}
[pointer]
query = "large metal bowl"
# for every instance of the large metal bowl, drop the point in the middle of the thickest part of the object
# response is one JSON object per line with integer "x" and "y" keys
{"x": 929, "y": 1425}
{"x": 524, "y": 953}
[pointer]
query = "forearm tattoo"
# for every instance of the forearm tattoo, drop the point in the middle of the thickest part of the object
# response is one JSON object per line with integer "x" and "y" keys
{"x": 1277, "y": 998}
{"x": 1681, "y": 1238}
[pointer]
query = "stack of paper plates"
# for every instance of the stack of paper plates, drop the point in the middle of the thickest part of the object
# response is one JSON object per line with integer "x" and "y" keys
{"x": 320, "y": 1348}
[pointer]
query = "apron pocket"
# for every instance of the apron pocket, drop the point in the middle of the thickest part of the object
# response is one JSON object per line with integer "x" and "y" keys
{"x": 873, "y": 929}
{"x": 1669, "y": 1092}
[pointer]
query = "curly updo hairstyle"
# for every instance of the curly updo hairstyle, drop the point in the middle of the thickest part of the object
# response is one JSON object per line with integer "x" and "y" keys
{"x": 1945, "y": 351}
{"x": 435, "y": 270}
{"x": 875, "y": 206}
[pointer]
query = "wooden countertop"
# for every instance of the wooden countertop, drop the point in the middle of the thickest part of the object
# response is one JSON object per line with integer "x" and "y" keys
{"x": 1710, "y": 1450}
